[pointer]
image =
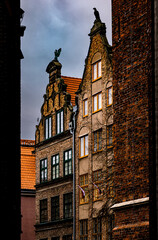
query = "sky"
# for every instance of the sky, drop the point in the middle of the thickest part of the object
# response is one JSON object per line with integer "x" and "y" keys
{"x": 50, "y": 25}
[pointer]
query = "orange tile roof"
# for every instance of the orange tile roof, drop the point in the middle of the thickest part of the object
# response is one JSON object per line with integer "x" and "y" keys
{"x": 27, "y": 164}
{"x": 72, "y": 86}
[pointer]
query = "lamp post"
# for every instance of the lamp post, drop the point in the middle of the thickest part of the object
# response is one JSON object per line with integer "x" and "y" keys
{"x": 72, "y": 127}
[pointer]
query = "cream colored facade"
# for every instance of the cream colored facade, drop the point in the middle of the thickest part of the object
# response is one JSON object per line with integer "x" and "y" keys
{"x": 98, "y": 157}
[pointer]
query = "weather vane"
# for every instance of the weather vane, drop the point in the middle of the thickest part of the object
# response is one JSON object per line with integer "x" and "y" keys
{"x": 57, "y": 54}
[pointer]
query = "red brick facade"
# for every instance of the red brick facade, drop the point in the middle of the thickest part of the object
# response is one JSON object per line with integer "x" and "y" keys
{"x": 132, "y": 86}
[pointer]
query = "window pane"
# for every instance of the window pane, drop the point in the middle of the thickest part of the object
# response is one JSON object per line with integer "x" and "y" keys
{"x": 95, "y": 103}
{"x": 95, "y": 142}
{"x": 66, "y": 155}
{"x": 109, "y": 96}
{"x": 81, "y": 146}
{"x": 94, "y": 71}
{"x": 57, "y": 159}
{"x": 70, "y": 154}
{"x": 99, "y": 69}
{"x": 50, "y": 127}
{"x": 46, "y": 128}
{"x": 86, "y": 145}
{"x": 61, "y": 121}
{"x": 99, "y": 101}
{"x": 100, "y": 140}
{"x": 85, "y": 108}
{"x": 58, "y": 123}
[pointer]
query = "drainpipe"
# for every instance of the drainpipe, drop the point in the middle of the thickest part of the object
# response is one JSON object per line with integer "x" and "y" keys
{"x": 72, "y": 128}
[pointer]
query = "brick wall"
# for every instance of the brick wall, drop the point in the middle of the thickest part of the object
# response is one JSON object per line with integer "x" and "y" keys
{"x": 132, "y": 84}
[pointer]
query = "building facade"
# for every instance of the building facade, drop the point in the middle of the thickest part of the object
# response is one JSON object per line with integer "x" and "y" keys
{"x": 94, "y": 140}
{"x": 27, "y": 189}
{"x": 133, "y": 93}
{"x": 54, "y": 158}
{"x": 10, "y": 55}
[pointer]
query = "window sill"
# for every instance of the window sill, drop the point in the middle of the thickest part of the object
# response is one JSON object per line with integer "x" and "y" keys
{"x": 97, "y": 111}
{"x": 98, "y": 151}
{"x": 55, "y": 181}
{"x": 59, "y": 221}
{"x": 94, "y": 80}
{"x": 109, "y": 105}
{"x": 85, "y": 116}
{"x": 83, "y": 157}
{"x": 109, "y": 147}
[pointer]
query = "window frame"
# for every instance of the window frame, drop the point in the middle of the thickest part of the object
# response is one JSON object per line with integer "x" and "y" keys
{"x": 85, "y": 101}
{"x": 43, "y": 169}
{"x": 97, "y": 70}
{"x": 84, "y": 233}
{"x": 84, "y": 147}
{"x": 55, "y": 165}
{"x": 109, "y": 104}
{"x": 67, "y": 237}
{"x": 84, "y": 186}
{"x": 69, "y": 161}
{"x": 96, "y": 234}
{"x": 109, "y": 142}
{"x": 56, "y": 214}
{"x": 99, "y": 183}
{"x": 48, "y": 129}
{"x": 97, "y": 132}
{"x": 69, "y": 209}
{"x": 61, "y": 123}
{"x": 45, "y": 215}
{"x": 98, "y": 109}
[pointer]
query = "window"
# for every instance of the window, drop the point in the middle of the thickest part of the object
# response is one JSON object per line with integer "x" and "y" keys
{"x": 97, "y": 140}
{"x": 109, "y": 136}
{"x": 67, "y": 237}
{"x": 48, "y": 127}
{"x": 68, "y": 162}
{"x": 55, "y": 208}
{"x": 84, "y": 146}
{"x": 60, "y": 121}
{"x": 43, "y": 170}
{"x": 97, "y": 185}
{"x": 43, "y": 211}
{"x": 109, "y": 96}
{"x": 84, "y": 229}
{"x": 85, "y": 107}
{"x": 96, "y": 71}
{"x": 55, "y": 166}
{"x": 97, "y": 229}
{"x": 68, "y": 205}
{"x": 84, "y": 195}
{"x": 97, "y": 102}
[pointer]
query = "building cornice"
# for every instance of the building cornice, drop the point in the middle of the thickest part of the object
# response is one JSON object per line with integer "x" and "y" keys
{"x": 131, "y": 203}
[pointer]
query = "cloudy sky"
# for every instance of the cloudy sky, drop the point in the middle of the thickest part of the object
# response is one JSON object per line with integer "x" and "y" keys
{"x": 50, "y": 25}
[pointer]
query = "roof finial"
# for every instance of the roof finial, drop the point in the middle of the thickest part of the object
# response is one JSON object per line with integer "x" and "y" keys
{"x": 57, "y": 54}
{"x": 96, "y": 13}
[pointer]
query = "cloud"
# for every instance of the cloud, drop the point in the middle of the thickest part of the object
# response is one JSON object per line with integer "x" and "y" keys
{"x": 51, "y": 24}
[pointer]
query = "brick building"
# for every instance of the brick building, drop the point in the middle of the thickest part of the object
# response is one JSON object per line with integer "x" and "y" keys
{"x": 27, "y": 189}
{"x": 94, "y": 143}
{"x": 54, "y": 157}
{"x": 133, "y": 94}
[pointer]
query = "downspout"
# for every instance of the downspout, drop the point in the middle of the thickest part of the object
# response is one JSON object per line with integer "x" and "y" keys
{"x": 72, "y": 127}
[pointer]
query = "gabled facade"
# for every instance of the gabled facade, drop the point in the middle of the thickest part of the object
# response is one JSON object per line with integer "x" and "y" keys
{"x": 94, "y": 140}
{"x": 54, "y": 158}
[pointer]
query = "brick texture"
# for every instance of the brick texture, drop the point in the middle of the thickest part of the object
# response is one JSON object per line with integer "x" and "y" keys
{"x": 132, "y": 84}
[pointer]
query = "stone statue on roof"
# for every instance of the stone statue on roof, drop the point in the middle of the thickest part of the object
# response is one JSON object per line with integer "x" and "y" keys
{"x": 96, "y": 13}
{"x": 57, "y": 54}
